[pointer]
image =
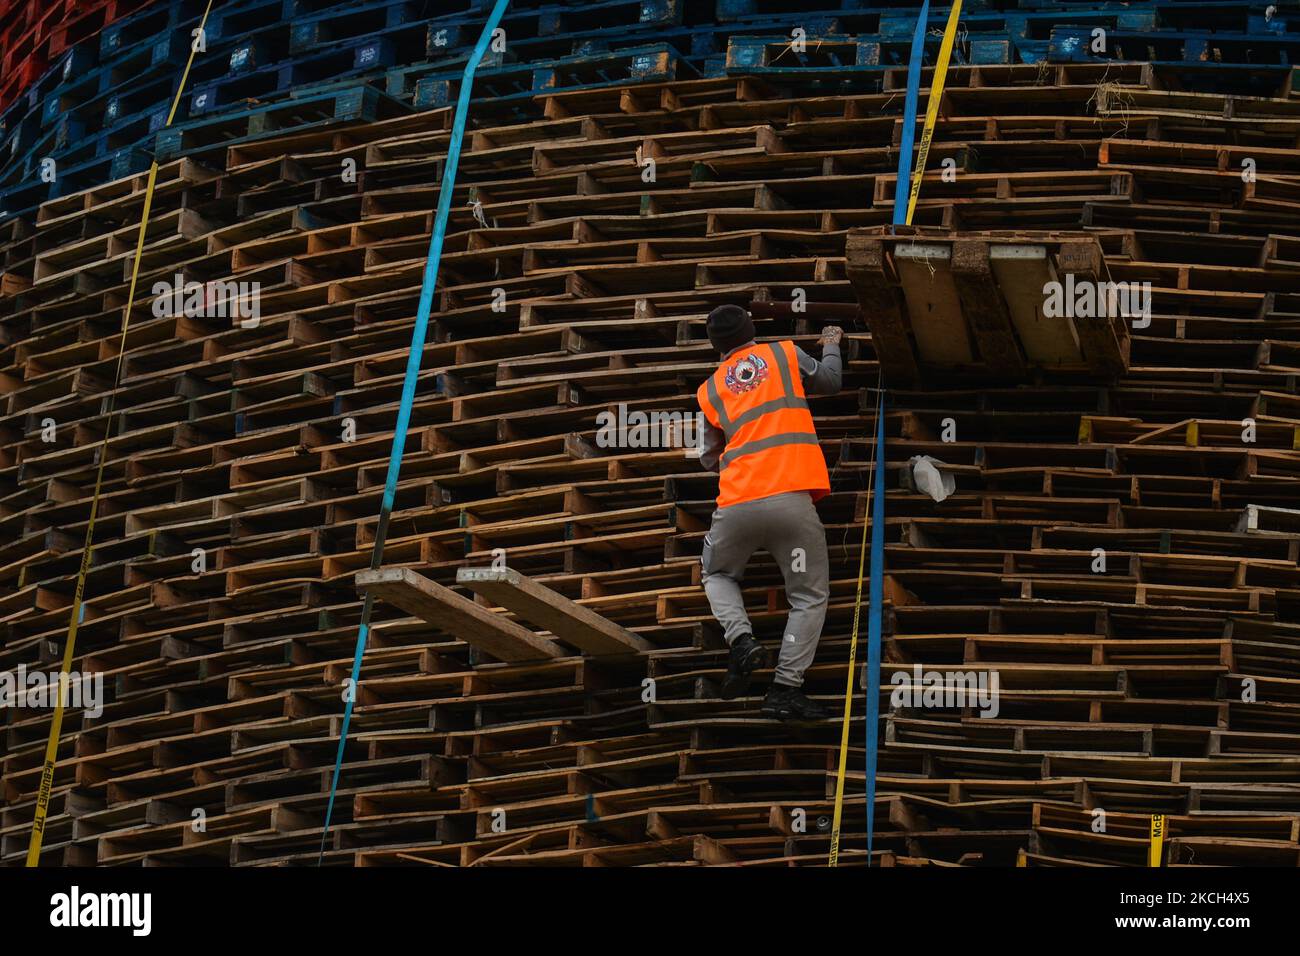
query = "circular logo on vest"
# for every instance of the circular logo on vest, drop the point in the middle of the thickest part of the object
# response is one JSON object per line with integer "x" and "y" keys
{"x": 746, "y": 374}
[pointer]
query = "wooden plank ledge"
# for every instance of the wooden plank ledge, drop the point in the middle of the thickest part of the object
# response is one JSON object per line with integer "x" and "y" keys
{"x": 566, "y": 619}
{"x": 457, "y": 615}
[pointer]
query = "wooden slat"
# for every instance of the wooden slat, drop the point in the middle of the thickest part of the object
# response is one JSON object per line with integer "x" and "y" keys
{"x": 881, "y": 304}
{"x": 942, "y": 336}
{"x": 985, "y": 309}
{"x": 1104, "y": 339}
{"x": 459, "y": 616}
{"x": 1022, "y": 270}
{"x": 567, "y": 620}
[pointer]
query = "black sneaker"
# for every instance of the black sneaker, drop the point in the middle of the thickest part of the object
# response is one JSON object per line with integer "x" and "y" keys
{"x": 747, "y": 656}
{"x": 790, "y": 703}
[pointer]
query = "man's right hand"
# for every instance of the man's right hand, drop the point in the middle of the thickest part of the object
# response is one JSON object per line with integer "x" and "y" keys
{"x": 831, "y": 335}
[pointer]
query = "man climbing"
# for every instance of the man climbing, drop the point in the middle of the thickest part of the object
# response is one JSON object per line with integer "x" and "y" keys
{"x": 759, "y": 437}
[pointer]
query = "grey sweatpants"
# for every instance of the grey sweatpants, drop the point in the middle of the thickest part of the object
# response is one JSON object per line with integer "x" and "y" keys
{"x": 788, "y": 528}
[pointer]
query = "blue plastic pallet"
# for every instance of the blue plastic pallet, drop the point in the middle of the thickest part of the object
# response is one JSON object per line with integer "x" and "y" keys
{"x": 98, "y": 110}
{"x": 358, "y": 104}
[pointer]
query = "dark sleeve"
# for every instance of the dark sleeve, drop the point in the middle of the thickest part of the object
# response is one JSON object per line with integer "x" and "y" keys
{"x": 824, "y": 377}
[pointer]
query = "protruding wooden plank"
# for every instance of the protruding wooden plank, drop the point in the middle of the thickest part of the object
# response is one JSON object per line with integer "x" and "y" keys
{"x": 881, "y": 303}
{"x": 448, "y": 611}
{"x": 1022, "y": 271}
{"x": 566, "y": 619}
{"x": 985, "y": 310}
{"x": 941, "y": 333}
{"x": 1105, "y": 339}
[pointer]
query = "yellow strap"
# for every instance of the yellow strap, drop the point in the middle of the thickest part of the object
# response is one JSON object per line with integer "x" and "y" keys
{"x": 56, "y": 725}
{"x": 848, "y": 704}
{"x": 853, "y": 657}
{"x": 1157, "y": 839}
{"x": 932, "y": 105}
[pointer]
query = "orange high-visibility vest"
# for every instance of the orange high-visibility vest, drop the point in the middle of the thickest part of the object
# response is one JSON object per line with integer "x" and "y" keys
{"x": 756, "y": 399}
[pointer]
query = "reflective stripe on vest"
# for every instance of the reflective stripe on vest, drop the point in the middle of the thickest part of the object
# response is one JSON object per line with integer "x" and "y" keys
{"x": 763, "y": 444}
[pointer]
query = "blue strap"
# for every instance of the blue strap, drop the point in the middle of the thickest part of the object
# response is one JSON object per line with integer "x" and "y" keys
{"x": 875, "y": 596}
{"x": 904, "y": 185}
{"x": 413, "y": 360}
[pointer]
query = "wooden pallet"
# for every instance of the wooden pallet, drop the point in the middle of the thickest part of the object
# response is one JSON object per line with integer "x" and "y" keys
{"x": 979, "y": 303}
{"x": 1123, "y": 688}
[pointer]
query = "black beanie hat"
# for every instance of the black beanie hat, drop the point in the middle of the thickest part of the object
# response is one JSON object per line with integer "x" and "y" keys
{"x": 729, "y": 327}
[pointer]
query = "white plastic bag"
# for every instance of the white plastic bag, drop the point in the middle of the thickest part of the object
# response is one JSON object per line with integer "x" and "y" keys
{"x": 929, "y": 480}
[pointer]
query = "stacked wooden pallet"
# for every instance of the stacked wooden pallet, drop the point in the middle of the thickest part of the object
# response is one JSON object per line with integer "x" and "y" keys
{"x": 268, "y": 66}
{"x": 245, "y": 468}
